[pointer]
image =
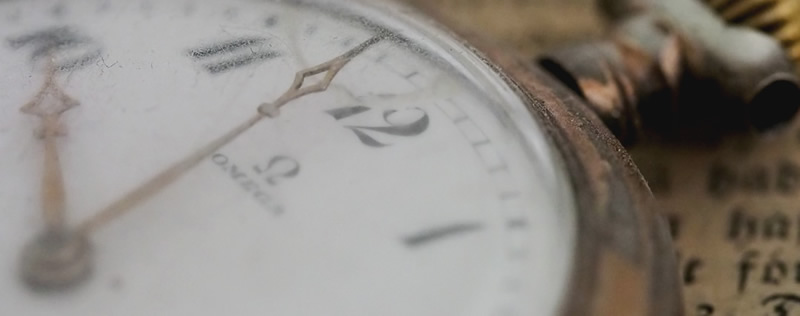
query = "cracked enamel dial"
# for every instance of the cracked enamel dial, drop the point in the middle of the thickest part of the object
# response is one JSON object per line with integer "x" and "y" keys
{"x": 243, "y": 157}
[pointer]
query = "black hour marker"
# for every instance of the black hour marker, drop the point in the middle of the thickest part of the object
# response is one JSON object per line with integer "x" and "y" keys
{"x": 233, "y": 54}
{"x": 67, "y": 47}
{"x": 271, "y": 21}
{"x": 342, "y": 113}
{"x": 231, "y": 13}
{"x": 499, "y": 168}
{"x": 428, "y": 236}
{"x": 228, "y": 46}
{"x": 518, "y": 254}
{"x": 189, "y": 9}
{"x": 104, "y": 6}
{"x": 311, "y": 30}
{"x": 58, "y": 10}
{"x": 146, "y": 7}
{"x": 239, "y": 62}
{"x": 480, "y": 143}
{"x": 517, "y": 223}
{"x": 47, "y": 41}
{"x": 461, "y": 119}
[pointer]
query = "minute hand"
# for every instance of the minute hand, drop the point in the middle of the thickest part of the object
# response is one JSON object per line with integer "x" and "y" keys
{"x": 165, "y": 178}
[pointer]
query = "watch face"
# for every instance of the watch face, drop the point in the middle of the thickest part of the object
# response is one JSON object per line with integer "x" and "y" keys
{"x": 243, "y": 157}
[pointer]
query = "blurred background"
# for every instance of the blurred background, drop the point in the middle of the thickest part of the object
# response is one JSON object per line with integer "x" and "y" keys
{"x": 733, "y": 202}
{"x": 529, "y": 26}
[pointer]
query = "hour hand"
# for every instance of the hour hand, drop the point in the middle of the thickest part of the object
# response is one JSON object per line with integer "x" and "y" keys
{"x": 56, "y": 258}
{"x": 49, "y": 104}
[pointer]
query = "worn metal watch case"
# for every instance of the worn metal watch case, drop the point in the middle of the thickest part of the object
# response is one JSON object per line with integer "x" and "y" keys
{"x": 624, "y": 262}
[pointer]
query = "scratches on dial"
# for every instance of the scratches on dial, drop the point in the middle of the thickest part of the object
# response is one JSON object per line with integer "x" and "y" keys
{"x": 365, "y": 45}
{"x": 231, "y": 54}
{"x": 430, "y": 236}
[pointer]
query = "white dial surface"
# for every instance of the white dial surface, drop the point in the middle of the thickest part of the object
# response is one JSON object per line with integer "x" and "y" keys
{"x": 243, "y": 157}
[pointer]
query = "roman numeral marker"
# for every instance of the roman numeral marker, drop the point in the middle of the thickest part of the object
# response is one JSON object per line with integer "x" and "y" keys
{"x": 232, "y": 54}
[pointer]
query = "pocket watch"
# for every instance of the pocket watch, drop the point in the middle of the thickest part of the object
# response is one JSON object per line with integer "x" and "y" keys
{"x": 306, "y": 157}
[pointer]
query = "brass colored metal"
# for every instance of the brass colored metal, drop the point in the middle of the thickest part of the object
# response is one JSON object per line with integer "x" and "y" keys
{"x": 679, "y": 71}
{"x": 526, "y": 26}
{"x": 626, "y": 86}
{"x": 56, "y": 260}
{"x": 779, "y": 18}
{"x": 49, "y": 104}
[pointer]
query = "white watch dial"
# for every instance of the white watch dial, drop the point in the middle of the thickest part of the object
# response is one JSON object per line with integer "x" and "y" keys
{"x": 405, "y": 178}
